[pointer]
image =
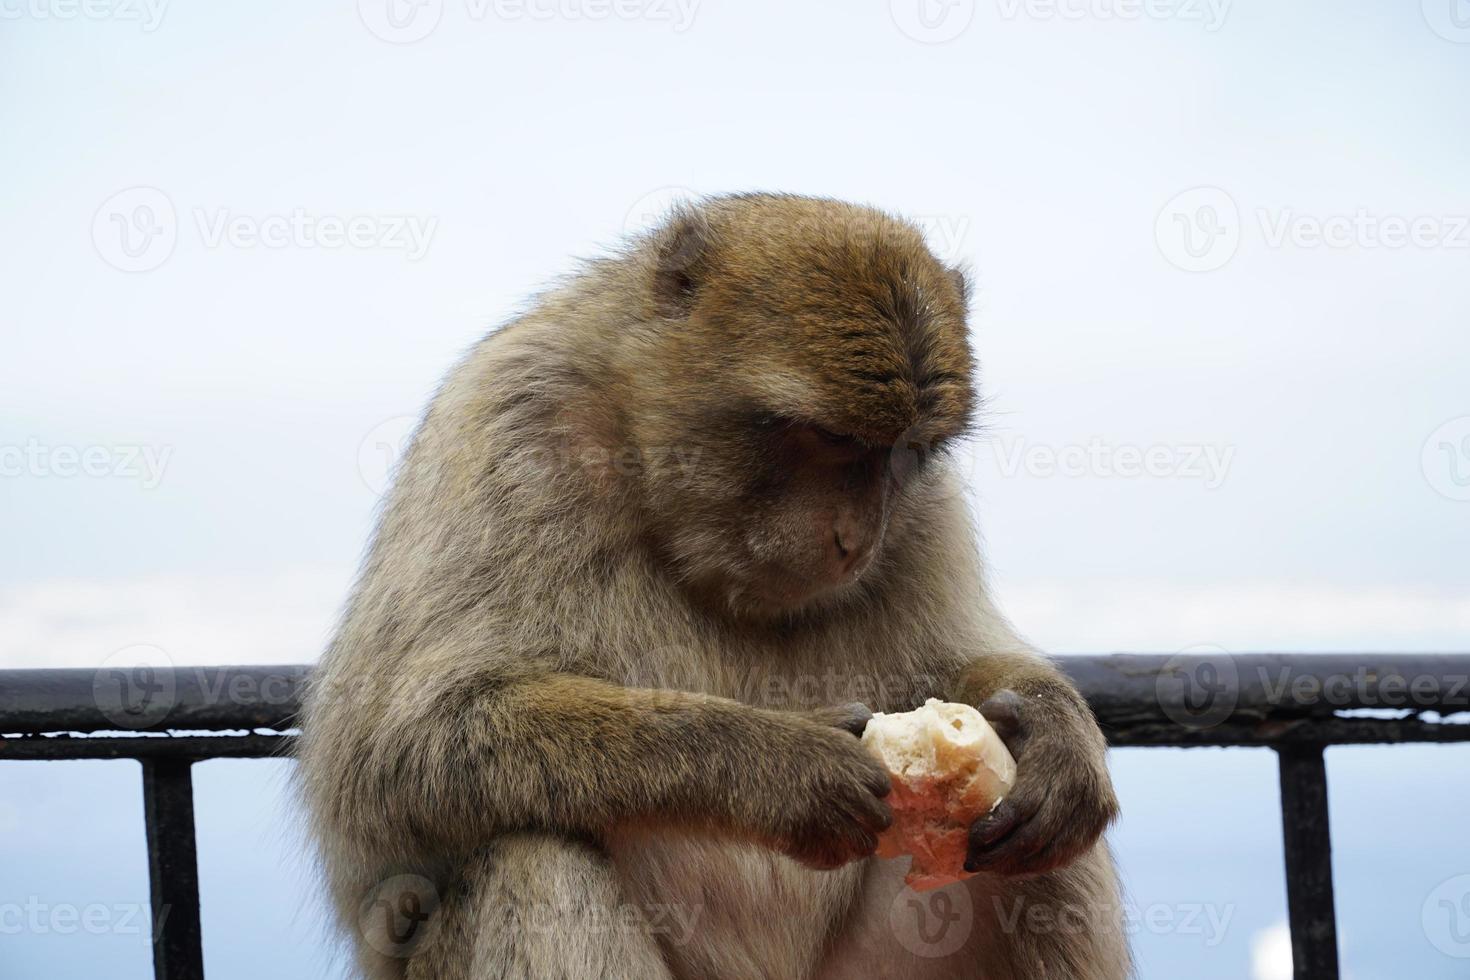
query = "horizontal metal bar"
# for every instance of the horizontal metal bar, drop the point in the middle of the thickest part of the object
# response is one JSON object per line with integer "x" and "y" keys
{"x": 1198, "y": 698}
{"x": 141, "y": 698}
{"x": 1206, "y": 687}
{"x": 188, "y": 747}
{"x": 258, "y": 746}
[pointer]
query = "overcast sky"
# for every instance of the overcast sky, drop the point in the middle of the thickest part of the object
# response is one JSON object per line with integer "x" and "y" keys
{"x": 1221, "y": 250}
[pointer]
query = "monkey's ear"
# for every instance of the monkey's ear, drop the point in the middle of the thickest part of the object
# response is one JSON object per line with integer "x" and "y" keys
{"x": 961, "y": 280}
{"x": 680, "y": 251}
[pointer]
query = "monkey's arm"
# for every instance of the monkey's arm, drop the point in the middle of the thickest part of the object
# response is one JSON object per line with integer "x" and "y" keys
{"x": 1063, "y": 798}
{"x": 580, "y": 755}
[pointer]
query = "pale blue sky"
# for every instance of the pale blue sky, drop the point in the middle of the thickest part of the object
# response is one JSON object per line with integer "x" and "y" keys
{"x": 232, "y": 394}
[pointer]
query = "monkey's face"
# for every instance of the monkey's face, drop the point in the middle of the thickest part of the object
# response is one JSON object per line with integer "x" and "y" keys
{"x": 815, "y": 369}
{"x": 784, "y": 513}
{"x": 816, "y": 507}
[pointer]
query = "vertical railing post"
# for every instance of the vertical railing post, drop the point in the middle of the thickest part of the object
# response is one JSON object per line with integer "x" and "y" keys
{"x": 1308, "y": 844}
{"x": 173, "y": 869}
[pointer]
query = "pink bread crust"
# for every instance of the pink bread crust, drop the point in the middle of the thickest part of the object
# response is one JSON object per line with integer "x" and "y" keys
{"x": 931, "y": 822}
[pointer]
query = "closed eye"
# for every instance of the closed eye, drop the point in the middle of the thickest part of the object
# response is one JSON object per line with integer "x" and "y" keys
{"x": 832, "y": 438}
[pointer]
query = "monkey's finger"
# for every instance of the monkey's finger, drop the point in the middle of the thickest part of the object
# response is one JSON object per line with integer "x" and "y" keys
{"x": 990, "y": 834}
{"x": 862, "y": 812}
{"x": 1007, "y": 856}
{"x": 1027, "y": 851}
{"x": 997, "y": 824}
{"x": 1005, "y": 712}
{"x": 879, "y": 783}
{"x": 874, "y": 814}
{"x": 861, "y": 774}
{"x": 852, "y": 717}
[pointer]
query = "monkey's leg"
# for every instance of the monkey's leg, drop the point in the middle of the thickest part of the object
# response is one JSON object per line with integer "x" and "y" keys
{"x": 538, "y": 907}
{"x": 1064, "y": 925}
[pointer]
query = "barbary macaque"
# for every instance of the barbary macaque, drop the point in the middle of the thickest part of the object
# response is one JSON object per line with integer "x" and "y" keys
{"x": 657, "y": 549}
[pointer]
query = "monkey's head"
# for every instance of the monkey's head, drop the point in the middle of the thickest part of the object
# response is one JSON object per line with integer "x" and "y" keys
{"x": 803, "y": 365}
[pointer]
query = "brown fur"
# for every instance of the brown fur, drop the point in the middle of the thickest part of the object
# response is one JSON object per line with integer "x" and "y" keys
{"x": 586, "y": 687}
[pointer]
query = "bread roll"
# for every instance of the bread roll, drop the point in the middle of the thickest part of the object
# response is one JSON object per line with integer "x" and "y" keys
{"x": 949, "y": 768}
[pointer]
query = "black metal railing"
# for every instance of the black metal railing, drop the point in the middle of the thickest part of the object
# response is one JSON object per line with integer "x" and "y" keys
{"x": 170, "y": 718}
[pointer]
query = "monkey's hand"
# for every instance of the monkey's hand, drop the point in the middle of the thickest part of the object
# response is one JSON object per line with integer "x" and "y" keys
{"x": 830, "y": 809}
{"x": 1063, "y": 798}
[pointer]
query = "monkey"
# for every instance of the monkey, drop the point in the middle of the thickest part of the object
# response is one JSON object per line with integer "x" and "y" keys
{"x": 657, "y": 549}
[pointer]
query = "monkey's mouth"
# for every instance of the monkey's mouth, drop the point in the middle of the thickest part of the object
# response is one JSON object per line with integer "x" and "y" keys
{"x": 777, "y": 589}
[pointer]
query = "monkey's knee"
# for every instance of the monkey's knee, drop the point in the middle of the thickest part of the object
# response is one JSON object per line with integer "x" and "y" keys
{"x": 538, "y": 907}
